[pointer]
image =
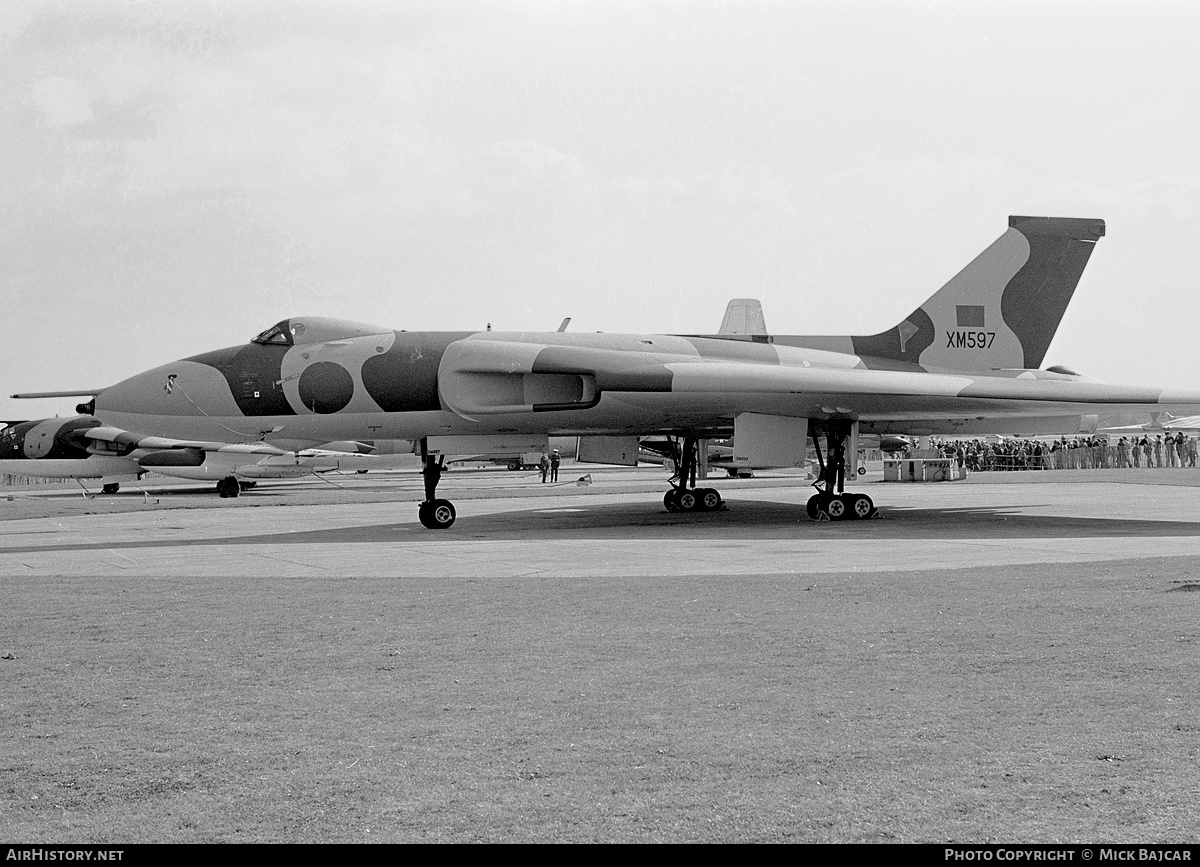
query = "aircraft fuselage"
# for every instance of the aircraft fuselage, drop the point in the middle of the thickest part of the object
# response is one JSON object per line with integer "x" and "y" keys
{"x": 403, "y": 385}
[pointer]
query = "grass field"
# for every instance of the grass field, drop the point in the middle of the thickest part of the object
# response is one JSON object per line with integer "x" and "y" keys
{"x": 1023, "y": 704}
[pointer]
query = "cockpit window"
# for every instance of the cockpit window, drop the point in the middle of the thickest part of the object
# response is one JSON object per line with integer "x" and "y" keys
{"x": 277, "y": 335}
{"x": 314, "y": 329}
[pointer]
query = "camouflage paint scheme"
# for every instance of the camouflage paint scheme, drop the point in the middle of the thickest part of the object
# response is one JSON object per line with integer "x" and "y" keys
{"x": 964, "y": 362}
{"x": 1038, "y": 262}
{"x": 80, "y": 447}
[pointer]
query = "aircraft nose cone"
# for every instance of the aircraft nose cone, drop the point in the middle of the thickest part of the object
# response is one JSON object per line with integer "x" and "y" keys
{"x": 182, "y": 388}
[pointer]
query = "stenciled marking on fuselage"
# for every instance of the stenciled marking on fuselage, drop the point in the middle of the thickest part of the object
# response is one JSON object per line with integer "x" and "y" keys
{"x": 969, "y": 339}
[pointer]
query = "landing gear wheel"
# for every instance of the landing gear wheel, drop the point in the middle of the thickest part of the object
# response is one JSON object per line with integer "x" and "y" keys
{"x": 437, "y": 514}
{"x": 710, "y": 499}
{"x": 687, "y": 501}
{"x": 861, "y": 506}
{"x": 228, "y": 487}
{"x": 671, "y": 500}
{"x": 837, "y": 508}
{"x": 111, "y": 488}
{"x": 245, "y": 486}
{"x": 816, "y": 505}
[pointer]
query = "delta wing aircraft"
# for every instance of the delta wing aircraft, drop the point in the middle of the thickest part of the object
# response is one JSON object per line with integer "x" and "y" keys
{"x": 963, "y": 363}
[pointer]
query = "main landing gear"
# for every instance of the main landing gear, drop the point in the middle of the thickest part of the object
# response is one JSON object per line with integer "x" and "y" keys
{"x": 685, "y": 496}
{"x": 434, "y": 514}
{"x": 839, "y": 507}
{"x": 830, "y": 502}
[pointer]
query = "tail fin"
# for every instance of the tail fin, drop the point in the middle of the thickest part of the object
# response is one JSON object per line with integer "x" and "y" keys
{"x": 744, "y": 316}
{"x": 1001, "y": 311}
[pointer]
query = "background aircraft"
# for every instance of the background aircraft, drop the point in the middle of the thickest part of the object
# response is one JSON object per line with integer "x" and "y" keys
{"x": 963, "y": 363}
{"x": 1156, "y": 423}
{"x": 234, "y": 467}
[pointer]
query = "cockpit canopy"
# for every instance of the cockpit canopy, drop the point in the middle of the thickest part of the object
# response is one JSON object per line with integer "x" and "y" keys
{"x": 303, "y": 330}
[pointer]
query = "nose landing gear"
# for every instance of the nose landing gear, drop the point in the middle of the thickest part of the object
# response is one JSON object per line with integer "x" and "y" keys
{"x": 434, "y": 514}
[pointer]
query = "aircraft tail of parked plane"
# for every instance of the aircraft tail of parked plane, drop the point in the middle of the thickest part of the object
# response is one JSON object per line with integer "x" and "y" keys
{"x": 744, "y": 316}
{"x": 1000, "y": 312}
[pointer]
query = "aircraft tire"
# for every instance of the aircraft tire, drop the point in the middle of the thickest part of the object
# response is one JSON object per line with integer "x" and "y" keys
{"x": 837, "y": 509}
{"x": 111, "y": 488}
{"x": 710, "y": 499}
{"x": 670, "y": 500}
{"x": 228, "y": 487}
{"x": 815, "y": 505}
{"x": 860, "y": 506}
{"x": 245, "y": 486}
{"x": 437, "y": 514}
{"x": 688, "y": 501}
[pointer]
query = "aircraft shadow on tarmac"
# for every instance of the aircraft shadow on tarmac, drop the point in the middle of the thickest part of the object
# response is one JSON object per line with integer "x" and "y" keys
{"x": 743, "y": 521}
{"x": 785, "y": 521}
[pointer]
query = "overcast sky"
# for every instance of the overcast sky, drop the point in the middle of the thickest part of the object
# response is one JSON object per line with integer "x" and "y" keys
{"x": 177, "y": 176}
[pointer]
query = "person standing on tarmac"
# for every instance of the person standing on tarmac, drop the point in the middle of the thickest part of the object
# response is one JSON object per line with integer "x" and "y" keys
{"x": 544, "y": 466}
{"x": 555, "y": 460}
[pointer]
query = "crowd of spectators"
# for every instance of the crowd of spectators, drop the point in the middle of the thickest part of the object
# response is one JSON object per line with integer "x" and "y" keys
{"x": 1073, "y": 453}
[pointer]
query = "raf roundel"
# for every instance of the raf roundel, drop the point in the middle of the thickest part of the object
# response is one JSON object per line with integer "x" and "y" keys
{"x": 326, "y": 387}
